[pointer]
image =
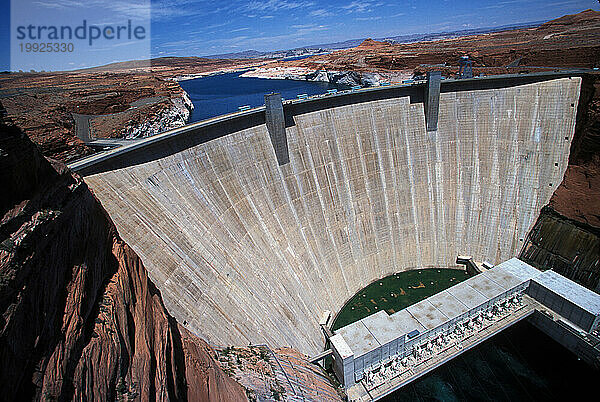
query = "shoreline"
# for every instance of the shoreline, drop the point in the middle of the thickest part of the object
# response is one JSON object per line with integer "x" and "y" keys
{"x": 188, "y": 77}
{"x": 347, "y": 77}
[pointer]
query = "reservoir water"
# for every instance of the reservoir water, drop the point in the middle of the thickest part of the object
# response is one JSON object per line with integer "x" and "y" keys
{"x": 223, "y": 93}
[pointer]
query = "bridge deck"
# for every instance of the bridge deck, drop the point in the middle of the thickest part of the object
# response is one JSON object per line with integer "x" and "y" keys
{"x": 360, "y": 393}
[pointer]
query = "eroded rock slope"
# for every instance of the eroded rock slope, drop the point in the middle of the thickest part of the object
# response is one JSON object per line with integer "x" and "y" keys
{"x": 80, "y": 320}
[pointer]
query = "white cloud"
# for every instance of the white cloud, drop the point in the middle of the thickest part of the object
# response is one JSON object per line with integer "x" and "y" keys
{"x": 276, "y": 5}
{"x": 362, "y": 6}
{"x": 368, "y": 18}
{"x": 296, "y": 37}
{"x": 303, "y": 29}
{"x": 321, "y": 13}
{"x": 303, "y": 26}
{"x": 60, "y": 4}
{"x": 560, "y": 3}
{"x": 128, "y": 8}
{"x": 213, "y": 26}
{"x": 168, "y": 9}
{"x": 134, "y": 9}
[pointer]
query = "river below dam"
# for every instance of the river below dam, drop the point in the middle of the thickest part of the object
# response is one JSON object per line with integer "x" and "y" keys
{"x": 220, "y": 94}
{"x": 519, "y": 364}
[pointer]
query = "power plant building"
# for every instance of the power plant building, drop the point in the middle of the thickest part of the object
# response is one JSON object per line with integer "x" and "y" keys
{"x": 377, "y": 339}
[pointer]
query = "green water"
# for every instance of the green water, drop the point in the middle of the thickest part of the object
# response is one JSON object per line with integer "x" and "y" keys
{"x": 396, "y": 292}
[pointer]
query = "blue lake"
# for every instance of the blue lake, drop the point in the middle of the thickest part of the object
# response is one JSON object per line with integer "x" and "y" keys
{"x": 224, "y": 93}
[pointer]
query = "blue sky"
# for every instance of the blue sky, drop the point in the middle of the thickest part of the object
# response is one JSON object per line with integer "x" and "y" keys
{"x": 202, "y": 27}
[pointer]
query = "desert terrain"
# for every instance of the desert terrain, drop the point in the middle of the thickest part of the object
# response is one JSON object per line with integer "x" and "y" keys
{"x": 572, "y": 41}
{"x": 62, "y": 112}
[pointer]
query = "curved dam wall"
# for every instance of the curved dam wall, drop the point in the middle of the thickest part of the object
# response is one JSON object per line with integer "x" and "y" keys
{"x": 244, "y": 250}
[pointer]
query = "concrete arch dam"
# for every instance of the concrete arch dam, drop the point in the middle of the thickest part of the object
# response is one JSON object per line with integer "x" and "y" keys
{"x": 246, "y": 250}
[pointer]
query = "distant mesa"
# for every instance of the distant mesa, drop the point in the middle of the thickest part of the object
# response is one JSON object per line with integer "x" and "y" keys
{"x": 588, "y": 16}
{"x": 372, "y": 44}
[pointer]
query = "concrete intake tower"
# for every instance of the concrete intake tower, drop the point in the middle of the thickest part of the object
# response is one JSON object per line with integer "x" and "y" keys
{"x": 248, "y": 247}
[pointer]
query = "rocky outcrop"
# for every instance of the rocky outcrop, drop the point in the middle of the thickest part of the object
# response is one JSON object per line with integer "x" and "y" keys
{"x": 348, "y": 78}
{"x": 280, "y": 374}
{"x": 175, "y": 113}
{"x": 132, "y": 99}
{"x": 80, "y": 320}
{"x": 345, "y": 78}
{"x": 578, "y": 197}
{"x": 562, "y": 245}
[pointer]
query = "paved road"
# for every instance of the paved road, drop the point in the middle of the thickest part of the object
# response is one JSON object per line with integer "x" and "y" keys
{"x": 112, "y": 142}
{"x": 82, "y": 126}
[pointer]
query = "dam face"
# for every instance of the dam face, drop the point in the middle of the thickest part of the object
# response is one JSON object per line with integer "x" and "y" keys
{"x": 244, "y": 250}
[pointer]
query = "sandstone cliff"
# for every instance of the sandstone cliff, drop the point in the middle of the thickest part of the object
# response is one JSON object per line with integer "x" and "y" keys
{"x": 80, "y": 318}
{"x": 578, "y": 196}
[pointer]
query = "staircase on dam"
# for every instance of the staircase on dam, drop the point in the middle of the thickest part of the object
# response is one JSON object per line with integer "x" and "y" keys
{"x": 381, "y": 353}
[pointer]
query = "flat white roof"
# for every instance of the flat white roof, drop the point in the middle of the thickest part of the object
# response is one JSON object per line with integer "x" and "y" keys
{"x": 467, "y": 295}
{"x": 486, "y": 286}
{"x": 359, "y": 338}
{"x": 448, "y": 304}
{"x": 572, "y": 291}
{"x": 383, "y": 327}
{"x": 407, "y": 322}
{"x": 517, "y": 268}
{"x": 426, "y": 313}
